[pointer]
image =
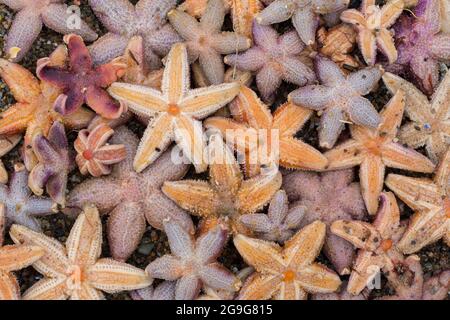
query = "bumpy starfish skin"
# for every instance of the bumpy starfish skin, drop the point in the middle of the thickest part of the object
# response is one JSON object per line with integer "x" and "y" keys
{"x": 375, "y": 149}
{"x": 421, "y": 46}
{"x": 32, "y": 15}
{"x": 430, "y": 121}
{"x": 34, "y": 108}
{"x": 165, "y": 291}
{"x": 131, "y": 198}
{"x": 147, "y": 20}
{"x": 76, "y": 270}
{"x": 264, "y": 139}
{"x": 377, "y": 243}
{"x": 372, "y": 24}
{"x": 21, "y": 207}
{"x": 7, "y": 143}
{"x": 192, "y": 262}
{"x": 205, "y": 41}
{"x": 280, "y": 223}
{"x": 274, "y": 58}
{"x": 176, "y": 111}
{"x": 410, "y": 283}
{"x": 54, "y": 164}
{"x": 287, "y": 273}
{"x": 227, "y": 195}
{"x": 13, "y": 258}
{"x": 445, "y": 16}
{"x": 430, "y": 199}
{"x": 82, "y": 82}
{"x": 328, "y": 197}
{"x": 339, "y": 98}
{"x": 304, "y": 14}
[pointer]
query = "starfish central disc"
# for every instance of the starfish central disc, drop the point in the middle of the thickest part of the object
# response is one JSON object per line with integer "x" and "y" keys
{"x": 386, "y": 244}
{"x": 288, "y": 276}
{"x": 88, "y": 155}
{"x": 173, "y": 109}
{"x": 75, "y": 277}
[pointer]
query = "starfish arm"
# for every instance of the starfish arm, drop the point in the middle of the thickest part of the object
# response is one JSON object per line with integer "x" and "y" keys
{"x": 417, "y": 105}
{"x": 218, "y": 277}
{"x": 47, "y": 289}
{"x": 188, "y": 287}
{"x": 157, "y": 138}
{"x": 230, "y": 42}
{"x": 86, "y": 292}
{"x": 290, "y": 43}
{"x": 251, "y": 60}
{"x": 365, "y": 269}
{"x": 305, "y": 21}
{"x": 102, "y": 103}
{"x": 371, "y": 176}
{"x": 429, "y": 12}
{"x": 367, "y": 45}
{"x": 79, "y": 119}
{"x": 390, "y": 12}
{"x": 439, "y": 103}
{"x": 197, "y": 197}
{"x": 299, "y": 155}
{"x": 345, "y": 155}
{"x": 365, "y": 80}
{"x": 391, "y": 116}
{"x": 440, "y": 46}
{"x": 290, "y": 118}
{"x": 68, "y": 103}
{"x": 9, "y": 288}
{"x": 112, "y": 276}
{"x": 331, "y": 126}
{"x": 57, "y": 17}
{"x": 162, "y": 40}
{"x": 252, "y": 110}
{"x": 437, "y": 144}
{"x": 176, "y": 81}
{"x": 264, "y": 256}
{"x": 186, "y": 26}
{"x": 37, "y": 206}
{"x": 387, "y": 221}
{"x": 202, "y": 102}
{"x": 277, "y": 11}
{"x": 260, "y": 190}
{"x": 366, "y": 5}
{"x": 16, "y": 118}
{"x": 108, "y": 47}
{"x": 442, "y": 173}
{"x": 167, "y": 267}
{"x": 84, "y": 244}
{"x": 328, "y": 72}
{"x": 412, "y": 135}
{"x": 25, "y": 29}
{"x": 15, "y": 4}
{"x": 362, "y": 112}
{"x": 212, "y": 66}
{"x": 213, "y": 17}
{"x": 278, "y": 207}
{"x": 291, "y": 291}
{"x": 16, "y": 257}
{"x": 259, "y": 287}
{"x": 411, "y": 289}
{"x": 295, "y": 71}
{"x": 55, "y": 262}
{"x": 294, "y": 182}
{"x": 210, "y": 244}
{"x": 235, "y": 134}
{"x": 257, "y": 222}
{"x": 153, "y": 13}
{"x": 426, "y": 71}
{"x": 315, "y": 97}
{"x": 115, "y": 16}
{"x": 317, "y": 278}
{"x": 395, "y": 155}
{"x": 268, "y": 79}
{"x": 385, "y": 42}
{"x": 2, "y": 223}
{"x": 360, "y": 234}
{"x": 22, "y": 83}
{"x": 354, "y": 17}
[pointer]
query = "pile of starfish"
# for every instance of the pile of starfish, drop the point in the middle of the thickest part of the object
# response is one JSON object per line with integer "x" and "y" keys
{"x": 281, "y": 200}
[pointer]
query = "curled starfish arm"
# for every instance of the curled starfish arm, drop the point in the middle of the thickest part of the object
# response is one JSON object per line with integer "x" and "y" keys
{"x": 385, "y": 42}
{"x": 387, "y": 221}
{"x": 396, "y": 156}
{"x": 16, "y": 257}
{"x": 390, "y": 12}
{"x": 345, "y": 155}
{"x": 47, "y": 289}
{"x": 260, "y": 287}
{"x": 112, "y": 276}
{"x": 115, "y": 16}
{"x": 22, "y": 83}
{"x": 276, "y": 12}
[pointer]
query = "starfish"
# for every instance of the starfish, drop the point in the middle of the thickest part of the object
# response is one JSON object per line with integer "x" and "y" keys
{"x": 280, "y": 223}
{"x": 328, "y": 197}
{"x": 13, "y": 258}
{"x": 445, "y": 16}
{"x": 375, "y": 149}
{"x": 339, "y": 98}
{"x": 82, "y": 82}
{"x": 94, "y": 154}
{"x": 7, "y": 143}
{"x": 205, "y": 41}
{"x": 342, "y": 294}
{"x": 164, "y": 291}
{"x": 287, "y": 273}
{"x": 377, "y": 243}
{"x": 410, "y": 283}
{"x": 192, "y": 262}
{"x": 21, "y": 207}
{"x": 372, "y": 24}
{"x": 76, "y": 270}
{"x": 54, "y": 164}
{"x": 430, "y": 121}
{"x": 421, "y": 46}
{"x": 262, "y": 138}
{"x": 304, "y": 15}
{"x": 274, "y": 58}
{"x": 131, "y": 198}
{"x": 147, "y": 20}
{"x": 227, "y": 196}
{"x": 430, "y": 199}
{"x": 176, "y": 111}
{"x": 34, "y": 108}
{"x": 32, "y": 14}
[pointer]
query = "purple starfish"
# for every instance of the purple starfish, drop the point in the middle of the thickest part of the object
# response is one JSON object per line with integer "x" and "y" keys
{"x": 328, "y": 197}
{"x": 21, "y": 207}
{"x": 131, "y": 198}
{"x": 32, "y": 14}
{"x": 421, "y": 45}
{"x": 146, "y": 19}
{"x": 274, "y": 58}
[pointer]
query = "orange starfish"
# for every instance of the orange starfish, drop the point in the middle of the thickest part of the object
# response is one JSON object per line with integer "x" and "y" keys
{"x": 34, "y": 111}
{"x": 176, "y": 111}
{"x": 430, "y": 199}
{"x": 374, "y": 149}
{"x": 263, "y": 138}
{"x": 227, "y": 196}
{"x": 287, "y": 273}
{"x": 7, "y": 143}
{"x": 76, "y": 270}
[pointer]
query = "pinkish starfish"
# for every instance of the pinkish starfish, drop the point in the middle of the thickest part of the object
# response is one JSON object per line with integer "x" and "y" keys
{"x": 274, "y": 58}
{"x": 328, "y": 197}
{"x": 131, "y": 198}
{"x": 146, "y": 19}
{"x": 421, "y": 45}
